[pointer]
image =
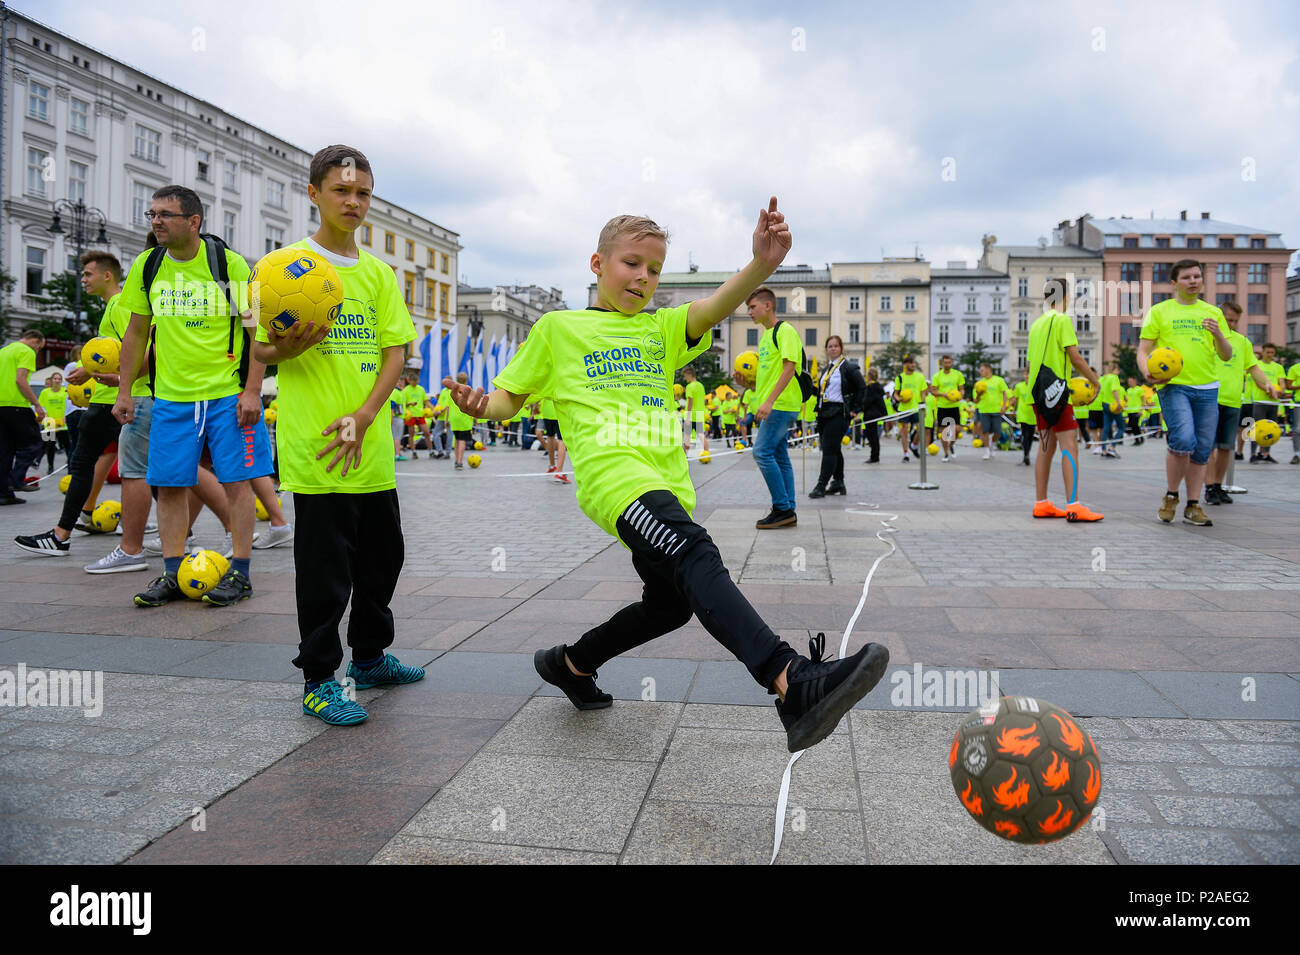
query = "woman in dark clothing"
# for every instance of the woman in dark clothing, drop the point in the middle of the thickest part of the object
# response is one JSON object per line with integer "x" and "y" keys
{"x": 841, "y": 388}
{"x": 873, "y": 406}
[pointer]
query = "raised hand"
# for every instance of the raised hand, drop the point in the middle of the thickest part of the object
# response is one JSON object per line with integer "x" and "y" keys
{"x": 772, "y": 239}
{"x": 472, "y": 401}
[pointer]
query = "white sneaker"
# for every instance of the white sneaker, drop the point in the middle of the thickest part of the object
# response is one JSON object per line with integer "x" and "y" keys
{"x": 1097, "y": 449}
{"x": 228, "y": 544}
{"x": 117, "y": 561}
{"x": 153, "y": 545}
{"x": 987, "y": 454}
{"x": 274, "y": 538}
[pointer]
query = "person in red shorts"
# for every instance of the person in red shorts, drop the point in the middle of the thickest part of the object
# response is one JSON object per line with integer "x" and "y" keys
{"x": 1053, "y": 350}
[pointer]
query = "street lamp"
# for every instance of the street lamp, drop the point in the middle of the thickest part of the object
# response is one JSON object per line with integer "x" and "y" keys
{"x": 83, "y": 218}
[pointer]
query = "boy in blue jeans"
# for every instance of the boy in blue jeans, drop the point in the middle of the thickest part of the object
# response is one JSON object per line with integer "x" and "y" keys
{"x": 333, "y": 443}
{"x": 609, "y": 369}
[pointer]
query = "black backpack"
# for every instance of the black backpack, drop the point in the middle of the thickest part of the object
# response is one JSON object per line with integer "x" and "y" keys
{"x": 1051, "y": 392}
{"x": 215, "y": 247}
{"x": 806, "y": 386}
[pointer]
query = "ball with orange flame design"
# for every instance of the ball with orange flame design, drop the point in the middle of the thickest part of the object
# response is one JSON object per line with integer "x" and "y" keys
{"x": 1025, "y": 770}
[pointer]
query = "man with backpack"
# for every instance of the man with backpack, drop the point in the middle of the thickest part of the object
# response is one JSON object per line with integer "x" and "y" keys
{"x": 207, "y": 391}
{"x": 779, "y": 396}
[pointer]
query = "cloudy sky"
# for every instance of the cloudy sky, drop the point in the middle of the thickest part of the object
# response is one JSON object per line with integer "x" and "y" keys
{"x": 881, "y": 127}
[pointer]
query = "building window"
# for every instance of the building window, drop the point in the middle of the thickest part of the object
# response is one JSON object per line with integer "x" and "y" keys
{"x": 442, "y": 300}
{"x": 148, "y": 144}
{"x": 446, "y": 261}
{"x": 1257, "y": 334}
{"x": 1162, "y": 242}
{"x": 780, "y": 304}
{"x": 1256, "y": 304}
{"x": 1022, "y": 321}
{"x": 886, "y": 331}
{"x": 38, "y": 101}
{"x": 275, "y": 193}
{"x": 909, "y": 331}
{"x": 1160, "y": 272}
{"x": 228, "y": 229}
{"x": 751, "y": 337}
{"x": 78, "y": 116}
{"x": 365, "y": 235}
{"x": 1257, "y": 243}
{"x": 855, "y": 333}
{"x": 78, "y": 173}
{"x": 410, "y": 251}
{"x": 997, "y": 303}
{"x": 1022, "y": 358}
{"x": 1130, "y": 271}
{"x": 972, "y": 304}
{"x": 205, "y": 166}
{"x": 1221, "y": 297}
{"x": 1127, "y": 334}
{"x": 390, "y": 243}
{"x": 810, "y": 336}
{"x": 1022, "y": 288}
{"x": 1084, "y": 323}
{"x": 1158, "y": 297}
{"x": 997, "y": 334}
{"x": 971, "y": 330}
{"x": 1225, "y": 273}
{"x": 1227, "y": 242}
{"x": 943, "y": 304}
{"x": 274, "y": 238}
{"x": 232, "y": 174}
{"x": 37, "y": 163}
{"x": 140, "y": 197}
{"x": 855, "y": 303}
{"x": 1257, "y": 273}
{"x": 886, "y": 303}
{"x": 1087, "y": 355}
{"x": 1194, "y": 243}
{"x": 909, "y": 303}
{"x": 432, "y": 263}
{"x": 35, "y": 271}
{"x": 1130, "y": 242}
{"x": 409, "y": 292}
{"x": 943, "y": 334}
{"x": 810, "y": 304}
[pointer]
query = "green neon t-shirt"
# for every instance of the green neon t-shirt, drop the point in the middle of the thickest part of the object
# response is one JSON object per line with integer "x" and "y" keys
{"x": 946, "y": 381}
{"x": 1024, "y": 404}
{"x": 995, "y": 394}
{"x": 113, "y": 325}
{"x": 771, "y": 360}
{"x": 747, "y": 400}
{"x": 1133, "y": 399}
{"x": 1050, "y": 335}
{"x": 611, "y": 377}
{"x": 54, "y": 403}
{"x": 931, "y": 410}
{"x": 1171, "y": 324}
{"x": 413, "y": 399}
{"x": 729, "y": 410}
{"x": 914, "y": 381}
{"x": 14, "y": 356}
{"x": 335, "y": 378}
{"x": 809, "y": 412}
{"x": 695, "y": 395}
{"x": 1275, "y": 372}
{"x": 445, "y": 402}
{"x": 1232, "y": 371}
{"x": 191, "y": 320}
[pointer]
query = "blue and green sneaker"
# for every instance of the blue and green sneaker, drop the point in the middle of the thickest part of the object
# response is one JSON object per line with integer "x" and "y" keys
{"x": 387, "y": 671}
{"x": 328, "y": 703}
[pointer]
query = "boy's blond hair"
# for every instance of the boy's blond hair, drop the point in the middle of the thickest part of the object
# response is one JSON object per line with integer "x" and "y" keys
{"x": 635, "y": 227}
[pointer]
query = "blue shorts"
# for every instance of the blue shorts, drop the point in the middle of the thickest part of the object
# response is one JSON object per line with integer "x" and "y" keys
{"x": 1225, "y": 433}
{"x": 133, "y": 441}
{"x": 183, "y": 428}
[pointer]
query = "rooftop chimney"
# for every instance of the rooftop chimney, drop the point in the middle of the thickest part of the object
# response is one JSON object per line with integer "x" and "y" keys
{"x": 1183, "y": 215}
{"x": 1205, "y": 215}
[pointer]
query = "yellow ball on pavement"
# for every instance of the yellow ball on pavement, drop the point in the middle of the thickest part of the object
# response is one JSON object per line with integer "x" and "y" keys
{"x": 473, "y": 460}
{"x": 199, "y": 573}
{"x": 106, "y": 515}
{"x": 933, "y": 449}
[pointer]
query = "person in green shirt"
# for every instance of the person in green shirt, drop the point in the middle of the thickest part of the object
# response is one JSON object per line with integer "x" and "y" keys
{"x": 909, "y": 389}
{"x": 946, "y": 382}
{"x": 748, "y": 403}
{"x": 1189, "y": 402}
{"x": 414, "y": 399}
{"x": 395, "y": 411}
{"x": 992, "y": 402}
{"x": 1265, "y": 406}
{"x": 1134, "y": 406}
{"x": 53, "y": 398}
{"x": 441, "y": 418}
{"x": 779, "y": 397}
{"x": 333, "y": 441}
{"x": 20, "y": 435}
{"x": 1226, "y": 434}
{"x": 610, "y": 369}
{"x": 730, "y": 405}
{"x": 697, "y": 414}
{"x": 1111, "y": 395}
{"x": 1022, "y": 398}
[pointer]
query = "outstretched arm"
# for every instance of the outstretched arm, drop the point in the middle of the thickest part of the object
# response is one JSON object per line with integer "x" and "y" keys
{"x": 772, "y": 241}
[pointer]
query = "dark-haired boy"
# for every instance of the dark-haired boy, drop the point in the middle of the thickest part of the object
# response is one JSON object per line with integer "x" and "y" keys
{"x": 609, "y": 369}
{"x": 333, "y": 436}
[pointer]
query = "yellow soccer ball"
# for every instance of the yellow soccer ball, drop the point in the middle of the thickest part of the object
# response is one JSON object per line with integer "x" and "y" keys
{"x": 1164, "y": 364}
{"x": 270, "y": 416}
{"x": 260, "y": 510}
{"x": 977, "y": 443}
{"x": 478, "y": 445}
{"x": 1267, "y": 433}
{"x": 64, "y": 482}
{"x": 199, "y": 573}
{"x": 102, "y": 355}
{"x": 981, "y": 386}
{"x": 846, "y": 441}
{"x": 438, "y": 409}
{"x": 747, "y": 363}
{"x": 106, "y": 515}
{"x": 954, "y": 394}
{"x": 678, "y": 391}
{"x": 740, "y": 445}
{"x": 79, "y": 395}
{"x": 905, "y": 395}
{"x": 293, "y": 285}
{"x": 933, "y": 448}
{"x": 1115, "y": 407}
{"x": 1081, "y": 391}
{"x": 705, "y": 457}
{"x": 474, "y": 460}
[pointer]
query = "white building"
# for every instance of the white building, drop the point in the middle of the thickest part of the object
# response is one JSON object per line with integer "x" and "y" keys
{"x": 969, "y": 305}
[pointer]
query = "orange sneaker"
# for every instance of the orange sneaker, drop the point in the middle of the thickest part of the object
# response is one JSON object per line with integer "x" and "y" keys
{"x": 1047, "y": 509}
{"x": 1077, "y": 512}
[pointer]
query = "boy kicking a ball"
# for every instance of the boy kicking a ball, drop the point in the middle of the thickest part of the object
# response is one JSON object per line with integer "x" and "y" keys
{"x": 609, "y": 369}
{"x": 334, "y": 455}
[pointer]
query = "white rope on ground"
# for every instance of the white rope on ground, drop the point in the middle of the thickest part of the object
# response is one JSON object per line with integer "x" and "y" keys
{"x": 886, "y": 528}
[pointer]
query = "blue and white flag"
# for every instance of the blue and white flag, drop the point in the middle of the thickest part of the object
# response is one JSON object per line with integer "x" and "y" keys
{"x": 447, "y": 365}
{"x": 426, "y": 360}
{"x": 467, "y": 357}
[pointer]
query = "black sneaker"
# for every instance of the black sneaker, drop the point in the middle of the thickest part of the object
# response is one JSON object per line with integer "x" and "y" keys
{"x": 1211, "y": 494}
{"x": 163, "y": 590}
{"x": 232, "y": 588}
{"x": 819, "y": 694}
{"x": 836, "y": 487}
{"x": 581, "y": 690}
{"x": 777, "y": 519}
{"x": 1236, "y": 456}
{"x": 47, "y": 545}
{"x": 818, "y": 491}
{"x": 12, "y": 499}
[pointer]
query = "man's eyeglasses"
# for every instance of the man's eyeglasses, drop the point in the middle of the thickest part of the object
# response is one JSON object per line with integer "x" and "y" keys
{"x": 151, "y": 215}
